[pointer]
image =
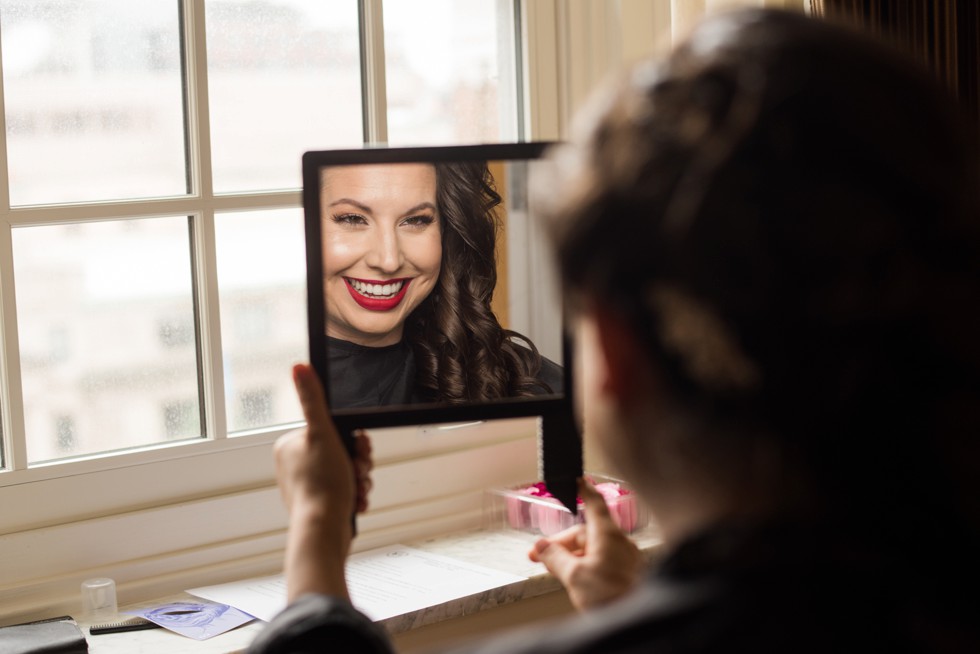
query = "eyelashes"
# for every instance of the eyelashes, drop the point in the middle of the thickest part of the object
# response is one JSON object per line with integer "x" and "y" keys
{"x": 421, "y": 220}
{"x": 356, "y": 220}
{"x": 349, "y": 219}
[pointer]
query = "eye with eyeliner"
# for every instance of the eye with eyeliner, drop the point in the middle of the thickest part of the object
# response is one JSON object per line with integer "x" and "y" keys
{"x": 420, "y": 220}
{"x": 349, "y": 219}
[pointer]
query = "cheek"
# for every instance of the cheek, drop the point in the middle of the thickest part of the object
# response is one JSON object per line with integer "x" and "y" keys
{"x": 339, "y": 253}
{"x": 426, "y": 255}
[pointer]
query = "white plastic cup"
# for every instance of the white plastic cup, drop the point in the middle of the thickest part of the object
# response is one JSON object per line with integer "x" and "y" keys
{"x": 99, "y": 599}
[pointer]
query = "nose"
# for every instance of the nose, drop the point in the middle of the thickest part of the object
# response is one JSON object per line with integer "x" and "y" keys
{"x": 385, "y": 254}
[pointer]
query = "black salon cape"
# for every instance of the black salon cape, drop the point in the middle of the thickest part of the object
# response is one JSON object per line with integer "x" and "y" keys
{"x": 362, "y": 376}
{"x": 777, "y": 588}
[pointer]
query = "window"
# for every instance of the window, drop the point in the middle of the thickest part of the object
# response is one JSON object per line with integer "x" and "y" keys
{"x": 152, "y": 268}
{"x": 452, "y": 77}
{"x": 152, "y": 173}
{"x": 120, "y": 294}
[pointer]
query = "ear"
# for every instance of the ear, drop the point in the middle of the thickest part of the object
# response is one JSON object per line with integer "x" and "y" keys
{"x": 626, "y": 371}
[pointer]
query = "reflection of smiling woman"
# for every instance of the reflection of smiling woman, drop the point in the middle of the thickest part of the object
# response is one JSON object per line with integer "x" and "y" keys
{"x": 381, "y": 248}
{"x": 409, "y": 272}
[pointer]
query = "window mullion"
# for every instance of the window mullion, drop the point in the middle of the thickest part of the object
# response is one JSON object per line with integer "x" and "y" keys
{"x": 374, "y": 91}
{"x": 4, "y": 176}
{"x": 198, "y": 123}
{"x": 198, "y": 134}
{"x": 11, "y": 406}
{"x": 14, "y": 438}
{"x": 209, "y": 324}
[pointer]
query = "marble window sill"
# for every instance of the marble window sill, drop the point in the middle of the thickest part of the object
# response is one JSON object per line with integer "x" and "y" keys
{"x": 503, "y": 550}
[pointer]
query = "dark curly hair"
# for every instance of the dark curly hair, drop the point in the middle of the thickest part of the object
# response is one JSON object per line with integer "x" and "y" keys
{"x": 462, "y": 353}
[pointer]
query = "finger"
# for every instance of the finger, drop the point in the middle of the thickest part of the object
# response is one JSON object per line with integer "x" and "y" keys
{"x": 361, "y": 503}
{"x": 597, "y": 516}
{"x": 363, "y": 449}
{"x": 559, "y": 561}
{"x": 364, "y": 486}
{"x": 363, "y": 464}
{"x": 311, "y": 396}
{"x": 572, "y": 539}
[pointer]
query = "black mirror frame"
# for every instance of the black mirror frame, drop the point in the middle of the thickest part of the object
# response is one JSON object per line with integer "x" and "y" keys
{"x": 560, "y": 459}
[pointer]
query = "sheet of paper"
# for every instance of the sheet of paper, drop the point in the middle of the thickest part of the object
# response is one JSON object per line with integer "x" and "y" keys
{"x": 383, "y": 583}
{"x": 197, "y": 620}
{"x": 262, "y": 597}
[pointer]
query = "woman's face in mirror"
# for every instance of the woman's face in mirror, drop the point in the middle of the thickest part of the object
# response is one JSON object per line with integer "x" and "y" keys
{"x": 382, "y": 248}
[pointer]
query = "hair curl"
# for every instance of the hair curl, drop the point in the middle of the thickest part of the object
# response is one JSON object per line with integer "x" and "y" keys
{"x": 462, "y": 353}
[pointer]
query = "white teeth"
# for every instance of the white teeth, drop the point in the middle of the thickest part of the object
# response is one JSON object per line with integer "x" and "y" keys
{"x": 377, "y": 290}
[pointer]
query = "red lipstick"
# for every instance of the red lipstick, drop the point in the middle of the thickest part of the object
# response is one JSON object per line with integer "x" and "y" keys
{"x": 379, "y": 304}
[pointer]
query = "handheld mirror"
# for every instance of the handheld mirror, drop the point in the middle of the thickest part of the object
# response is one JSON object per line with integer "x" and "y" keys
{"x": 432, "y": 295}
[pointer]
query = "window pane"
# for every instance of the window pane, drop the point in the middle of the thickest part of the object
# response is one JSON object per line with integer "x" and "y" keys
{"x": 107, "y": 335}
{"x": 283, "y": 77}
{"x": 450, "y": 71}
{"x": 262, "y": 284}
{"x": 94, "y": 107}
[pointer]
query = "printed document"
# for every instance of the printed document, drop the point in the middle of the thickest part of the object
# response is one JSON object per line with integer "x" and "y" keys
{"x": 383, "y": 583}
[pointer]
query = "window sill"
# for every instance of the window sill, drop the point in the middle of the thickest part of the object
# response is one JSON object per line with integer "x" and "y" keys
{"x": 502, "y": 550}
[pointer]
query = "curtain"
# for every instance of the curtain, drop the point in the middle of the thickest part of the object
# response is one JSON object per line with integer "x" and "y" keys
{"x": 942, "y": 34}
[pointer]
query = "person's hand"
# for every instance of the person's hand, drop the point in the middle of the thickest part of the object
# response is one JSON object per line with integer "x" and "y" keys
{"x": 363, "y": 465}
{"x": 596, "y": 562}
{"x": 320, "y": 487}
{"x": 311, "y": 463}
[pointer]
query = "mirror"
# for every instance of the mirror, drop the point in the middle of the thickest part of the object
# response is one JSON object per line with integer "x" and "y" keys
{"x": 430, "y": 285}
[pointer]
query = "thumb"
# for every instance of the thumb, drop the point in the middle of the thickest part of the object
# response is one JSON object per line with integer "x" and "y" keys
{"x": 311, "y": 396}
{"x": 556, "y": 558}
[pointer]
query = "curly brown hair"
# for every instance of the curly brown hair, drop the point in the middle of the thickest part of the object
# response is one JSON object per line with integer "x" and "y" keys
{"x": 462, "y": 353}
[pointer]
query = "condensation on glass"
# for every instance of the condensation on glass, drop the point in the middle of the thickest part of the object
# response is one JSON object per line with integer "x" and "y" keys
{"x": 93, "y": 99}
{"x": 262, "y": 285}
{"x": 108, "y": 345}
{"x": 283, "y": 77}
{"x": 451, "y": 71}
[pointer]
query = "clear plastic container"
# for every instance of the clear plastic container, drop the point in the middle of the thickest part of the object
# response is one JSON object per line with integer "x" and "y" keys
{"x": 528, "y": 507}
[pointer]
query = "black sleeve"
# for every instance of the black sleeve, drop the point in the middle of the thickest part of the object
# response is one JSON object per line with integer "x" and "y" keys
{"x": 316, "y": 624}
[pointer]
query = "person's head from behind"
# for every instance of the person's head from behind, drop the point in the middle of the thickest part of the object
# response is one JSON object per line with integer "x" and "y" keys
{"x": 772, "y": 241}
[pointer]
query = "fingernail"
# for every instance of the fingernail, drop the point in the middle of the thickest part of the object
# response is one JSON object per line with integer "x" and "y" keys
{"x": 541, "y": 545}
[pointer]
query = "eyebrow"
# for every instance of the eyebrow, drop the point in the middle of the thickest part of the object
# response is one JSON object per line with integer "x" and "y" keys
{"x": 366, "y": 209}
{"x": 355, "y": 203}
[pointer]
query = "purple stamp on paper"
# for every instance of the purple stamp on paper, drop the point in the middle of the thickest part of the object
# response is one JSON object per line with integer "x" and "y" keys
{"x": 198, "y": 619}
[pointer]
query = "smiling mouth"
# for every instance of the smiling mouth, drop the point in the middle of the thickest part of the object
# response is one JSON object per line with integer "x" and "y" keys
{"x": 377, "y": 290}
{"x": 378, "y": 295}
